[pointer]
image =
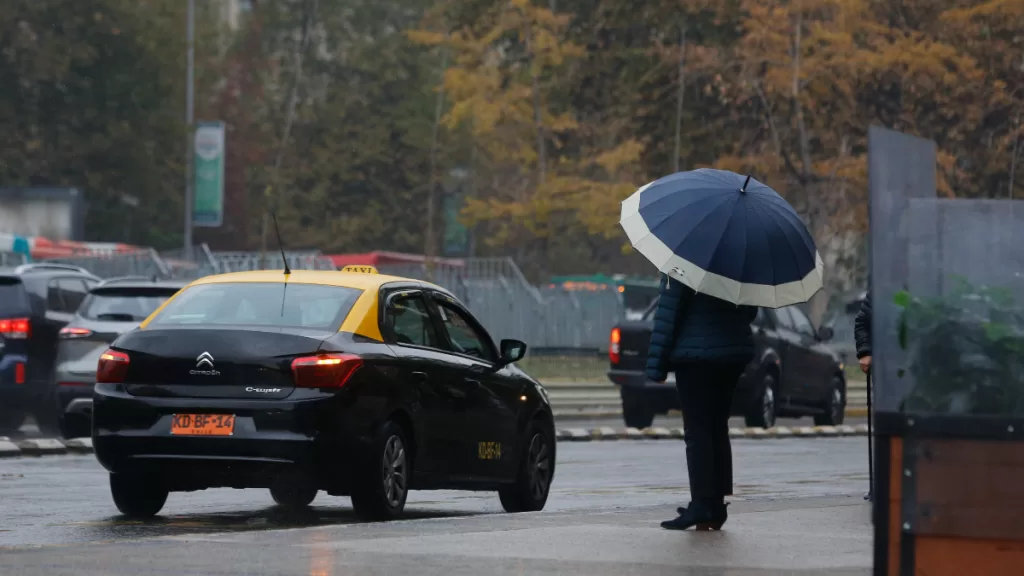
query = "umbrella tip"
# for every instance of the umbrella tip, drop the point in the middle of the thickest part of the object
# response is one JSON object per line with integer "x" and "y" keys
{"x": 745, "y": 182}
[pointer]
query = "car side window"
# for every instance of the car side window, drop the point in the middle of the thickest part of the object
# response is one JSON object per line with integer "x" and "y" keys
{"x": 407, "y": 321}
{"x": 802, "y": 323}
{"x": 784, "y": 319}
{"x": 73, "y": 291}
{"x": 465, "y": 337}
{"x": 54, "y": 298}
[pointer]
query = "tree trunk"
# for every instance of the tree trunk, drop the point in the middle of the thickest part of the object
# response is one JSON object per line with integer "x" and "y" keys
{"x": 431, "y": 239}
{"x": 1013, "y": 157}
{"x": 679, "y": 99}
{"x": 271, "y": 191}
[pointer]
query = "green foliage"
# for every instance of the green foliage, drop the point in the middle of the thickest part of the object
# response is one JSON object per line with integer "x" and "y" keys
{"x": 965, "y": 350}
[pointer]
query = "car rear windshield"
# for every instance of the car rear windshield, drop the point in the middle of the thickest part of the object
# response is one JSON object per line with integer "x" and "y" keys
{"x": 124, "y": 304}
{"x": 13, "y": 300}
{"x": 260, "y": 304}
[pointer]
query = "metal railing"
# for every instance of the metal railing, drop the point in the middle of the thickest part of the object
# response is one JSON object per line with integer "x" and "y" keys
{"x": 494, "y": 289}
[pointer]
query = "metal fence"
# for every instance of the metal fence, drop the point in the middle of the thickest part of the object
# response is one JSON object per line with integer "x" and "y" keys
{"x": 11, "y": 259}
{"x": 494, "y": 289}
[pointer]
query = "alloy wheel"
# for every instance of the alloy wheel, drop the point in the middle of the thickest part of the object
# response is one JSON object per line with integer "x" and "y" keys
{"x": 837, "y": 405}
{"x": 768, "y": 407}
{"x": 540, "y": 466}
{"x": 394, "y": 471}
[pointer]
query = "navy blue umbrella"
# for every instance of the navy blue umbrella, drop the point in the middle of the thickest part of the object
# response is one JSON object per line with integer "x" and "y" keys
{"x": 725, "y": 235}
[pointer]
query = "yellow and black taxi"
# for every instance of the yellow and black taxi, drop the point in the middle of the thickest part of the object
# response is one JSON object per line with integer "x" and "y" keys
{"x": 350, "y": 382}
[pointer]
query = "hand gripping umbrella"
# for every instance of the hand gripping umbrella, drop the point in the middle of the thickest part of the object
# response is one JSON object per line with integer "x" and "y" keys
{"x": 724, "y": 235}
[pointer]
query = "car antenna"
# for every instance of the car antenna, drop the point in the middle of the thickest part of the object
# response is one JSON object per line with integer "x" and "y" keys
{"x": 287, "y": 271}
{"x": 280, "y": 244}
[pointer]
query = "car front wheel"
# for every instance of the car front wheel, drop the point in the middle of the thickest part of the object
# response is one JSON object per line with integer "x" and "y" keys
{"x": 764, "y": 409}
{"x": 137, "y": 496}
{"x": 529, "y": 492}
{"x": 835, "y": 406}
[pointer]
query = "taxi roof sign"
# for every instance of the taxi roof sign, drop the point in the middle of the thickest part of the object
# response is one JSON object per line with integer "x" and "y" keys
{"x": 360, "y": 269}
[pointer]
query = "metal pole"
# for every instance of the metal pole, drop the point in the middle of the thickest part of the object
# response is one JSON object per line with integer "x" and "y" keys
{"x": 189, "y": 121}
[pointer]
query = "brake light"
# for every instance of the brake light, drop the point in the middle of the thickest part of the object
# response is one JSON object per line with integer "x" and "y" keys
{"x": 112, "y": 368}
{"x": 68, "y": 332}
{"x": 613, "y": 346}
{"x": 325, "y": 370}
{"x": 15, "y": 328}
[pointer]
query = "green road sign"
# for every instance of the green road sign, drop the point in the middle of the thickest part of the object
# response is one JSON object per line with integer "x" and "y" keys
{"x": 208, "y": 205}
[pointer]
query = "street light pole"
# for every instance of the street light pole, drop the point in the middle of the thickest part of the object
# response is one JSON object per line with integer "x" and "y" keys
{"x": 189, "y": 121}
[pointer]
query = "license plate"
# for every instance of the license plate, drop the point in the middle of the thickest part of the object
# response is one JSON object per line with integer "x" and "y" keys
{"x": 203, "y": 424}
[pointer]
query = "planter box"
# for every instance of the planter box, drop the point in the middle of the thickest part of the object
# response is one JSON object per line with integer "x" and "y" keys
{"x": 949, "y": 496}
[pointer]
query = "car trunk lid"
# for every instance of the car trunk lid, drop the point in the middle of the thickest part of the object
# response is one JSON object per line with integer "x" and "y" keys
{"x": 216, "y": 362}
{"x": 634, "y": 338}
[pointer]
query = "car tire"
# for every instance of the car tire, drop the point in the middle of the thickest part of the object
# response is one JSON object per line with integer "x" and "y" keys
{"x": 48, "y": 414}
{"x": 835, "y": 405}
{"x": 293, "y": 493}
{"x": 764, "y": 409}
{"x": 536, "y": 470}
{"x": 381, "y": 484}
{"x": 636, "y": 409}
{"x": 11, "y": 419}
{"x": 137, "y": 496}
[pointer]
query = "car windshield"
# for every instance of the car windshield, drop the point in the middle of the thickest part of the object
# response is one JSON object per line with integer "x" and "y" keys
{"x": 12, "y": 297}
{"x": 260, "y": 304}
{"x": 124, "y": 304}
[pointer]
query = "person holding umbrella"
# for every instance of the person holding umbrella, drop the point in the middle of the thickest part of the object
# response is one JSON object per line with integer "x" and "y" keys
{"x": 725, "y": 244}
{"x": 862, "y": 334}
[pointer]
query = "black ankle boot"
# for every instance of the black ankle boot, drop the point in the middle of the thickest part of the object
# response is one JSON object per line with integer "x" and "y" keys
{"x": 720, "y": 512}
{"x": 701, "y": 514}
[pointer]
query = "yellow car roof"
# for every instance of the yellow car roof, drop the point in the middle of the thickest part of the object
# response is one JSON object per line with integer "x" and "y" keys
{"x": 362, "y": 319}
{"x": 358, "y": 280}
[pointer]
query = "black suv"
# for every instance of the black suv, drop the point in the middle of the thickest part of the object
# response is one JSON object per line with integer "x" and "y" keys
{"x": 794, "y": 373}
{"x": 36, "y": 301}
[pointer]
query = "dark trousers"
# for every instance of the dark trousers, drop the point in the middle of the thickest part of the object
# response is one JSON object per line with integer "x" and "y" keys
{"x": 705, "y": 391}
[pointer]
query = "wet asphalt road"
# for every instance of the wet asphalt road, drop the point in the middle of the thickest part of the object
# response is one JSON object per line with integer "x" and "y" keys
{"x": 60, "y": 500}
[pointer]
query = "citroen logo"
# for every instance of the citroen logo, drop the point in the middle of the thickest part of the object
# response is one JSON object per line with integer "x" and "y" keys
{"x": 204, "y": 359}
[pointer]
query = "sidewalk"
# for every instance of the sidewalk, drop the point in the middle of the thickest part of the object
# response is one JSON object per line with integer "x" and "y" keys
{"x": 806, "y": 536}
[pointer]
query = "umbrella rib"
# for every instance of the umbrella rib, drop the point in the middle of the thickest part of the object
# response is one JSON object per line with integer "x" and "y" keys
{"x": 761, "y": 216}
{"x": 718, "y": 244}
{"x": 800, "y": 233}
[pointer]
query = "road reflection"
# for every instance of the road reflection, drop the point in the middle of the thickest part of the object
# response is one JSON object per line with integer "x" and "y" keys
{"x": 272, "y": 518}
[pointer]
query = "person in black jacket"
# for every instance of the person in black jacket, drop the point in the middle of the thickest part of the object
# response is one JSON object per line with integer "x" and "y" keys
{"x": 862, "y": 333}
{"x": 708, "y": 343}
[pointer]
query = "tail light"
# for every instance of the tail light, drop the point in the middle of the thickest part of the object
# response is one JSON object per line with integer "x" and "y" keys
{"x": 325, "y": 370}
{"x": 112, "y": 368}
{"x": 613, "y": 346}
{"x": 68, "y": 332}
{"x": 15, "y": 328}
{"x": 19, "y": 373}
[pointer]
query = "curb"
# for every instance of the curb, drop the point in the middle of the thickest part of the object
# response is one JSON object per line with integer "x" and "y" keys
{"x": 564, "y": 414}
{"x": 660, "y": 433}
{"x": 53, "y": 446}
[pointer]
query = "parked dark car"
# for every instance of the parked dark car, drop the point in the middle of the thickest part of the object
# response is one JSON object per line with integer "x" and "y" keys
{"x": 794, "y": 373}
{"x": 36, "y": 301}
{"x": 112, "y": 307}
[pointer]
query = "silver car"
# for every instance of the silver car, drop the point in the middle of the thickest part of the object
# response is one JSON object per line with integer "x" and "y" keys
{"x": 111, "y": 308}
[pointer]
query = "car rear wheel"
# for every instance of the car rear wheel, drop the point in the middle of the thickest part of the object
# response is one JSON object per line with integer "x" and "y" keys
{"x": 382, "y": 484}
{"x": 835, "y": 406}
{"x": 529, "y": 492}
{"x": 636, "y": 409}
{"x": 293, "y": 493}
{"x": 137, "y": 496}
{"x": 11, "y": 419}
{"x": 764, "y": 408}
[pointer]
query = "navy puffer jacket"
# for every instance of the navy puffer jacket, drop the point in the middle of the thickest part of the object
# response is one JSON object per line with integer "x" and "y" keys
{"x": 693, "y": 327}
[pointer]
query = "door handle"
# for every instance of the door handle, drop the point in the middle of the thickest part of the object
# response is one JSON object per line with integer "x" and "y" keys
{"x": 420, "y": 376}
{"x": 473, "y": 381}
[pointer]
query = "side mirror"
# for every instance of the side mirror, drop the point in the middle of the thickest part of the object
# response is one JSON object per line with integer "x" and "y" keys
{"x": 512, "y": 351}
{"x": 825, "y": 333}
